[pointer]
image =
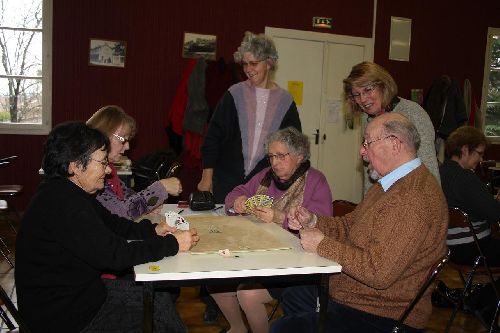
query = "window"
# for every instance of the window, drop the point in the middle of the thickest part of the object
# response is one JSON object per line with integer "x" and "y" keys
{"x": 25, "y": 67}
{"x": 490, "y": 103}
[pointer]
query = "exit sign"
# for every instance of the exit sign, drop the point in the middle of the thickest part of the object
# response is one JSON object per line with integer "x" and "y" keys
{"x": 322, "y": 22}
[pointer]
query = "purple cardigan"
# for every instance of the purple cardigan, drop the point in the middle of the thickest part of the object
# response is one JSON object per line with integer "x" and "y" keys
{"x": 317, "y": 194}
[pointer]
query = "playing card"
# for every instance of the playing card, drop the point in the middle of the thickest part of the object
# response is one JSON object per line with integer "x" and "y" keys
{"x": 176, "y": 220}
{"x": 259, "y": 200}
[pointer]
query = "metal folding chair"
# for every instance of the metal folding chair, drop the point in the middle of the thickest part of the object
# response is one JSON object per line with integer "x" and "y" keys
{"x": 11, "y": 308}
{"x": 436, "y": 269}
{"x": 458, "y": 218}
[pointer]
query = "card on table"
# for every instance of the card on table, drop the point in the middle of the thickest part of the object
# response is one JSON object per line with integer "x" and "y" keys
{"x": 176, "y": 220}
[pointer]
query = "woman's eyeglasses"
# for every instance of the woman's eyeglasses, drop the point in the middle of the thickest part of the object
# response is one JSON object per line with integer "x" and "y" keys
{"x": 251, "y": 64}
{"x": 104, "y": 162}
{"x": 121, "y": 138}
{"x": 279, "y": 157}
{"x": 366, "y": 92}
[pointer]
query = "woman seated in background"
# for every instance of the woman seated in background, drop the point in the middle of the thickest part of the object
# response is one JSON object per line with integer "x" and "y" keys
{"x": 119, "y": 199}
{"x": 67, "y": 239}
{"x": 463, "y": 189}
{"x": 291, "y": 181}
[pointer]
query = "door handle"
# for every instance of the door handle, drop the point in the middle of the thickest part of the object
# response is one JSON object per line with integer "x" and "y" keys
{"x": 316, "y": 137}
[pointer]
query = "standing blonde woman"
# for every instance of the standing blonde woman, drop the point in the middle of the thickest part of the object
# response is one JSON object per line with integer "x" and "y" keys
{"x": 370, "y": 89}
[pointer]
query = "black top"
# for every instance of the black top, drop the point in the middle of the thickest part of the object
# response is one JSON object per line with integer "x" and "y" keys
{"x": 463, "y": 189}
{"x": 222, "y": 147}
{"x": 65, "y": 242}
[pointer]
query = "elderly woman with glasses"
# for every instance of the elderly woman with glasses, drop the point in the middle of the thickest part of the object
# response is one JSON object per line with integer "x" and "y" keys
{"x": 232, "y": 151}
{"x": 67, "y": 240}
{"x": 370, "y": 89}
{"x": 291, "y": 181}
{"x": 119, "y": 199}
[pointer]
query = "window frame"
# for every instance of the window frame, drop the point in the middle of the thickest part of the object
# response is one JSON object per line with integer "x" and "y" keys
{"x": 46, "y": 125}
{"x": 486, "y": 74}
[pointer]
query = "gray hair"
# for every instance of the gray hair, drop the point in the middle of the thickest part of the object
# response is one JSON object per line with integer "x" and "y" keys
{"x": 296, "y": 142}
{"x": 261, "y": 46}
{"x": 404, "y": 130}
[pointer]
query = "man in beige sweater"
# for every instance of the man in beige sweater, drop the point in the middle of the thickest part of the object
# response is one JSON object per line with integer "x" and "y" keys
{"x": 386, "y": 246}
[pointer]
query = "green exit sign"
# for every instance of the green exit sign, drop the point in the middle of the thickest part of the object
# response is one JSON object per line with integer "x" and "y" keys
{"x": 322, "y": 22}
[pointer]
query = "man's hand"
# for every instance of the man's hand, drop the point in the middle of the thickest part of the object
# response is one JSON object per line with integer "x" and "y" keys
{"x": 239, "y": 204}
{"x": 310, "y": 239}
{"x": 205, "y": 183}
{"x": 163, "y": 229}
{"x": 299, "y": 217}
{"x": 186, "y": 239}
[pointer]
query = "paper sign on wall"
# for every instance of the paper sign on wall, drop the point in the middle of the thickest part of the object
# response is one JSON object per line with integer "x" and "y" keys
{"x": 296, "y": 88}
{"x": 333, "y": 107}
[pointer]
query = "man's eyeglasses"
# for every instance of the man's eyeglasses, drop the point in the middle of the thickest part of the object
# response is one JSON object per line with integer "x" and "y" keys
{"x": 480, "y": 153}
{"x": 121, "y": 138}
{"x": 251, "y": 63}
{"x": 279, "y": 157}
{"x": 104, "y": 162}
{"x": 366, "y": 92}
{"x": 367, "y": 144}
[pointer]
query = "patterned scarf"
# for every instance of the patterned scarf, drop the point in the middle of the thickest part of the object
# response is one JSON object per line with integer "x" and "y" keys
{"x": 294, "y": 187}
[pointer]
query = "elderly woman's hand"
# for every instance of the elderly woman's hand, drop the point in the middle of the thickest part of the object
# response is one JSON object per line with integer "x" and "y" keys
{"x": 268, "y": 215}
{"x": 172, "y": 185}
{"x": 239, "y": 204}
{"x": 163, "y": 229}
{"x": 186, "y": 239}
{"x": 299, "y": 217}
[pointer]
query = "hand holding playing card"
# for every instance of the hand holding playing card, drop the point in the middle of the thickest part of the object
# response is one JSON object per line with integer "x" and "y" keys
{"x": 239, "y": 204}
{"x": 258, "y": 200}
{"x": 163, "y": 229}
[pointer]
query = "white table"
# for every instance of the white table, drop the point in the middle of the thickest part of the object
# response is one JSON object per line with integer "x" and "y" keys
{"x": 185, "y": 266}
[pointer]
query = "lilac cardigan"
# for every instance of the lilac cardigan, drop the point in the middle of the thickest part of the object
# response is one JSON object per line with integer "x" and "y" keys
{"x": 317, "y": 194}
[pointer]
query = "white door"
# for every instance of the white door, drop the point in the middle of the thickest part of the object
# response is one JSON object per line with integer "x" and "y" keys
{"x": 321, "y": 61}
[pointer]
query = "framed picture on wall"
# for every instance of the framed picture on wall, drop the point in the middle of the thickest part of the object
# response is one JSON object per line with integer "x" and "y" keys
{"x": 110, "y": 53}
{"x": 199, "y": 46}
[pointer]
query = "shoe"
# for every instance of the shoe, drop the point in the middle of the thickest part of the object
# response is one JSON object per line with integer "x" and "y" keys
{"x": 444, "y": 297}
{"x": 211, "y": 314}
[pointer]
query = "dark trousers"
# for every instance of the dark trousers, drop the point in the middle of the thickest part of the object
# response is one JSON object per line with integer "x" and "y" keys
{"x": 340, "y": 318}
{"x": 123, "y": 311}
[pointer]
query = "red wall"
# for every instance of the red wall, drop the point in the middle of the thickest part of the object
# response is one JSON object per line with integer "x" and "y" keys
{"x": 448, "y": 37}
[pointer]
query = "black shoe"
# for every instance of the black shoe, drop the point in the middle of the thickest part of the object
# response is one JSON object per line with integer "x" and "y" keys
{"x": 444, "y": 297}
{"x": 211, "y": 314}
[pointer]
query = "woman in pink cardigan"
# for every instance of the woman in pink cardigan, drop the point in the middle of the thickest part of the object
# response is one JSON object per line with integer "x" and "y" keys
{"x": 291, "y": 181}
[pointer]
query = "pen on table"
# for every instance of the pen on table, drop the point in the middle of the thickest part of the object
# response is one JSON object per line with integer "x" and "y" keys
{"x": 217, "y": 208}
{"x": 179, "y": 212}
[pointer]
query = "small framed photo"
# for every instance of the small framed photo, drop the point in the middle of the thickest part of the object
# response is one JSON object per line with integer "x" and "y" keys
{"x": 110, "y": 53}
{"x": 199, "y": 46}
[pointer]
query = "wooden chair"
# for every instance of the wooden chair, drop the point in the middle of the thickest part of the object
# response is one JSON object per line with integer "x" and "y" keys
{"x": 11, "y": 308}
{"x": 434, "y": 272}
{"x": 342, "y": 207}
{"x": 460, "y": 219}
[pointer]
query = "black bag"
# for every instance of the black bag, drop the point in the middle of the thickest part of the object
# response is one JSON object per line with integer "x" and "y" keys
{"x": 152, "y": 167}
{"x": 201, "y": 200}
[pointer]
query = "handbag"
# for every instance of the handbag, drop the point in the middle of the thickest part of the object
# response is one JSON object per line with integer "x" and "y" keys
{"x": 201, "y": 200}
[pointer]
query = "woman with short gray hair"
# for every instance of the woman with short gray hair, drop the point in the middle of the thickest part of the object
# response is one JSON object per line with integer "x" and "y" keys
{"x": 233, "y": 150}
{"x": 290, "y": 181}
